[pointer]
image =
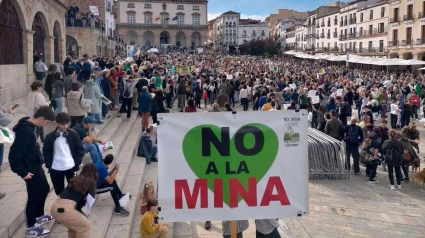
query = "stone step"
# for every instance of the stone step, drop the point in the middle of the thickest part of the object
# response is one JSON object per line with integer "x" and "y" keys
{"x": 126, "y": 142}
{"x": 15, "y": 224}
{"x": 151, "y": 174}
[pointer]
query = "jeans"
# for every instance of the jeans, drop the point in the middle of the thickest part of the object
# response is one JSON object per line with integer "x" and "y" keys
{"x": 244, "y": 102}
{"x": 169, "y": 99}
{"x": 116, "y": 193}
{"x": 39, "y": 132}
{"x": 397, "y": 174}
{"x": 154, "y": 151}
{"x": 393, "y": 121}
{"x": 105, "y": 110}
{"x": 407, "y": 115}
{"x": 354, "y": 151}
{"x": 37, "y": 190}
{"x": 40, "y": 75}
{"x": 415, "y": 112}
{"x": 371, "y": 169}
{"x": 59, "y": 105}
{"x": 1, "y": 154}
{"x": 76, "y": 120}
{"x": 232, "y": 99}
{"x": 127, "y": 105}
{"x": 94, "y": 151}
{"x": 405, "y": 168}
{"x": 181, "y": 101}
{"x": 58, "y": 178}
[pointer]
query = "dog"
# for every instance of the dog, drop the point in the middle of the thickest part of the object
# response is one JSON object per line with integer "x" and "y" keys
{"x": 418, "y": 178}
{"x": 416, "y": 164}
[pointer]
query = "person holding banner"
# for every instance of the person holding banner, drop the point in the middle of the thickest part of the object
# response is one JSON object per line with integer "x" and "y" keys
{"x": 241, "y": 226}
{"x": 266, "y": 228}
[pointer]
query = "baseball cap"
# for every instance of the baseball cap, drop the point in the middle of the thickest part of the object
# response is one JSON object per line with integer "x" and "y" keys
{"x": 88, "y": 120}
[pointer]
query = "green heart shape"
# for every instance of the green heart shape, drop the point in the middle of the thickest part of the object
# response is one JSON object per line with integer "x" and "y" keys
{"x": 257, "y": 164}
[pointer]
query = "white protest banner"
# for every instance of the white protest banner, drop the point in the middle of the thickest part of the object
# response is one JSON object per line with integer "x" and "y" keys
{"x": 292, "y": 86}
{"x": 94, "y": 10}
{"x": 229, "y": 76}
{"x": 339, "y": 92}
{"x": 315, "y": 99}
{"x": 225, "y": 166}
{"x": 311, "y": 93}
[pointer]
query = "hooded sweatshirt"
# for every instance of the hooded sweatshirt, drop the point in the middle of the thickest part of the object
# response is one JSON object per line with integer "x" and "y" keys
{"x": 25, "y": 155}
{"x": 75, "y": 103}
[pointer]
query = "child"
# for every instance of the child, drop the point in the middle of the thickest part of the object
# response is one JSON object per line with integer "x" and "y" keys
{"x": 150, "y": 225}
{"x": 148, "y": 193}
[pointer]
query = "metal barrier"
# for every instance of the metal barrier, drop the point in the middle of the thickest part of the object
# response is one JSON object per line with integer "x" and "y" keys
{"x": 326, "y": 157}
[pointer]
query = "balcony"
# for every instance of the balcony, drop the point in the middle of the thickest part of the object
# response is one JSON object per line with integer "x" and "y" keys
{"x": 407, "y": 42}
{"x": 335, "y": 35}
{"x": 409, "y": 17}
{"x": 394, "y": 20}
{"x": 345, "y": 22}
{"x": 342, "y": 37}
{"x": 353, "y": 21}
{"x": 323, "y": 24}
{"x": 317, "y": 25}
{"x": 335, "y": 23}
{"x": 341, "y": 24}
{"x": 162, "y": 26}
{"x": 328, "y": 35}
{"x": 352, "y": 35}
{"x": 420, "y": 41}
{"x": 421, "y": 15}
{"x": 322, "y": 35}
{"x": 393, "y": 43}
{"x": 329, "y": 23}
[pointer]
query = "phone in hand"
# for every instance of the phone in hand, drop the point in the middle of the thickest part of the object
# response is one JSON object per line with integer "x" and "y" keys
{"x": 15, "y": 106}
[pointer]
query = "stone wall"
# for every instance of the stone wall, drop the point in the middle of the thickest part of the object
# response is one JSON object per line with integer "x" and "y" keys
{"x": 13, "y": 82}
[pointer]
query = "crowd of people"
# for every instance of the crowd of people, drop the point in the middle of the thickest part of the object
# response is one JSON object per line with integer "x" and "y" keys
{"x": 91, "y": 87}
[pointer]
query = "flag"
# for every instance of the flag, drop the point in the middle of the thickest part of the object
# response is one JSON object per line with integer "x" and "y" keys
{"x": 167, "y": 18}
{"x": 322, "y": 71}
{"x": 158, "y": 18}
{"x": 175, "y": 18}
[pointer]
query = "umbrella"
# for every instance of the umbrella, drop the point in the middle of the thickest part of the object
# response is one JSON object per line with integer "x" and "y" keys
{"x": 413, "y": 62}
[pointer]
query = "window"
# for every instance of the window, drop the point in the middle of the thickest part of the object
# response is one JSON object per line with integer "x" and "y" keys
{"x": 361, "y": 17}
{"x": 370, "y": 29}
{"x": 130, "y": 5}
{"x": 180, "y": 7}
{"x": 370, "y": 45}
{"x": 196, "y": 20}
{"x": 371, "y": 15}
{"x": 410, "y": 12}
{"x": 148, "y": 20}
{"x": 409, "y": 35}
{"x": 253, "y": 33}
{"x": 262, "y": 33}
{"x": 148, "y": 5}
{"x": 381, "y": 27}
{"x": 131, "y": 20}
{"x": 244, "y": 33}
{"x": 180, "y": 21}
{"x": 382, "y": 11}
{"x": 395, "y": 36}
{"x": 164, "y": 19}
{"x": 196, "y": 8}
{"x": 396, "y": 10}
{"x": 360, "y": 46}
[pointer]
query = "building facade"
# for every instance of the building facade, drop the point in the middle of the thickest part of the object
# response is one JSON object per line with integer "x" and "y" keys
{"x": 311, "y": 31}
{"x": 181, "y": 23}
{"x": 326, "y": 30}
{"x": 301, "y": 37}
{"x": 226, "y": 35}
{"x": 251, "y": 29}
{"x": 28, "y": 28}
{"x": 406, "y": 29}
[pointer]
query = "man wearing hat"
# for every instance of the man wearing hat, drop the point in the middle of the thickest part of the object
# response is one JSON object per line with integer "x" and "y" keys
{"x": 84, "y": 130}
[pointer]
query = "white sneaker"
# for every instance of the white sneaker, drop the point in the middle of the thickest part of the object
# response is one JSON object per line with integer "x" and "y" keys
{"x": 399, "y": 187}
{"x": 392, "y": 187}
{"x": 37, "y": 231}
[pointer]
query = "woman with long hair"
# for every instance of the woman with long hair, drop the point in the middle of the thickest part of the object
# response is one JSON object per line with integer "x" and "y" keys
{"x": 77, "y": 109}
{"x": 67, "y": 208}
{"x": 191, "y": 107}
{"x": 48, "y": 85}
{"x": 393, "y": 150}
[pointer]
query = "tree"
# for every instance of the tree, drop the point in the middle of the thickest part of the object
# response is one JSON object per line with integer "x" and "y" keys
{"x": 265, "y": 47}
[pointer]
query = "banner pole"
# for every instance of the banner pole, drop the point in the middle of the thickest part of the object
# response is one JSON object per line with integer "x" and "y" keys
{"x": 233, "y": 229}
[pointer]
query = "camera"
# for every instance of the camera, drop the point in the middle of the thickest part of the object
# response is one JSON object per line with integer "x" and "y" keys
{"x": 159, "y": 209}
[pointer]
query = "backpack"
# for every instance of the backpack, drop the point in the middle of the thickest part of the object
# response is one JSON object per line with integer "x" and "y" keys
{"x": 353, "y": 135}
{"x": 127, "y": 92}
{"x": 394, "y": 154}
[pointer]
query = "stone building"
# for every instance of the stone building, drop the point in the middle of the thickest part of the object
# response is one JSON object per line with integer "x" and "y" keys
{"x": 96, "y": 36}
{"x": 226, "y": 35}
{"x": 251, "y": 29}
{"x": 28, "y": 28}
{"x": 181, "y": 23}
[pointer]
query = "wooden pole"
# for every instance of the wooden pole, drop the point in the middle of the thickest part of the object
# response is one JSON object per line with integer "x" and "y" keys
{"x": 233, "y": 233}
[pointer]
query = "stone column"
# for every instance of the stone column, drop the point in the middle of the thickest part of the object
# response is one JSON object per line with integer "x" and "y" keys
{"x": 62, "y": 50}
{"x": 28, "y": 46}
{"x": 156, "y": 38}
{"x": 49, "y": 45}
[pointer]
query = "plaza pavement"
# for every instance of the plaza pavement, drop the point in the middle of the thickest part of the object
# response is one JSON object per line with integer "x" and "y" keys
{"x": 351, "y": 208}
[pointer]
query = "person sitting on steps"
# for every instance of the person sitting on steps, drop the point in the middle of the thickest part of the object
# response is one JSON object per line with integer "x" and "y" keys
{"x": 147, "y": 148}
{"x": 85, "y": 132}
{"x": 106, "y": 182}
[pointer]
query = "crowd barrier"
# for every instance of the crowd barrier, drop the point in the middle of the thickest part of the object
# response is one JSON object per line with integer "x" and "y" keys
{"x": 326, "y": 157}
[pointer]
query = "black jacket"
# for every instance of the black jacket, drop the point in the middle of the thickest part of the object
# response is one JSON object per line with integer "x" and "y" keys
{"x": 75, "y": 145}
{"x": 25, "y": 155}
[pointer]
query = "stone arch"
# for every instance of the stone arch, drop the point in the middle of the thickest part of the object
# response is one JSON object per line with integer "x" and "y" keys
{"x": 41, "y": 38}
{"x": 57, "y": 44}
{"x": 148, "y": 39}
{"x": 164, "y": 38}
{"x": 131, "y": 37}
{"x": 394, "y": 55}
{"x": 181, "y": 39}
{"x": 407, "y": 55}
{"x": 72, "y": 46}
{"x": 196, "y": 39}
{"x": 12, "y": 22}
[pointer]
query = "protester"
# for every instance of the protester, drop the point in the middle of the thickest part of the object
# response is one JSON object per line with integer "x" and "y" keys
{"x": 26, "y": 160}
{"x": 89, "y": 140}
{"x": 150, "y": 225}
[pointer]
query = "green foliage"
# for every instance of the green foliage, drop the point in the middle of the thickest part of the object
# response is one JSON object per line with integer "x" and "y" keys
{"x": 287, "y": 136}
{"x": 262, "y": 47}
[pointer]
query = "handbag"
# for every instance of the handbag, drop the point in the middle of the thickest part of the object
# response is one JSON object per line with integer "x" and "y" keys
{"x": 87, "y": 103}
{"x": 406, "y": 156}
{"x": 6, "y": 136}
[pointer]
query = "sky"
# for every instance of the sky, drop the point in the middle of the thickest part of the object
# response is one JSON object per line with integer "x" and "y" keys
{"x": 260, "y": 9}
